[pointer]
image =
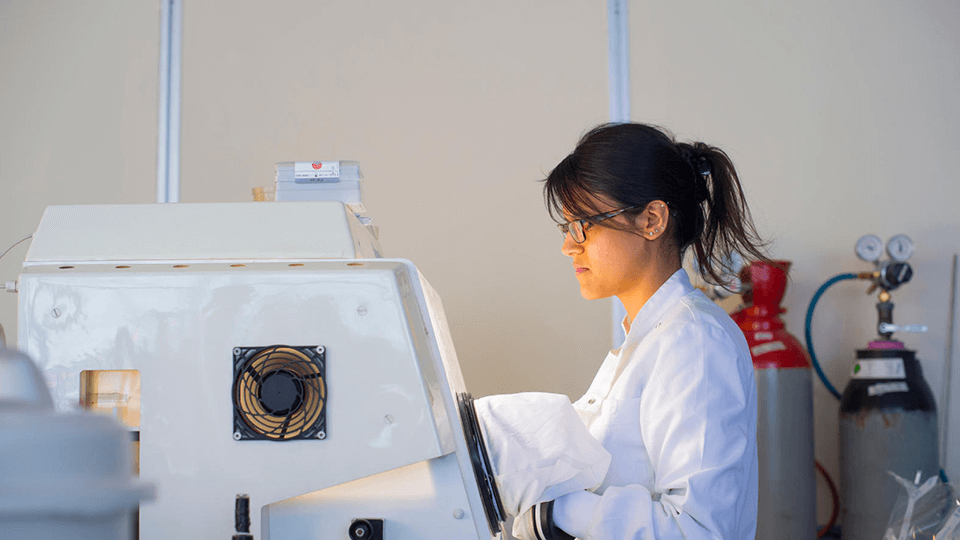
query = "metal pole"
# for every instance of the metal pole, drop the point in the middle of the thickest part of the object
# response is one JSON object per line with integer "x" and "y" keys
{"x": 948, "y": 367}
{"x": 618, "y": 58}
{"x": 168, "y": 141}
{"x": 618, "y": 30}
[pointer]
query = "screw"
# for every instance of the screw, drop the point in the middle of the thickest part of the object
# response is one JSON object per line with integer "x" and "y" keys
{"x": 388, "y": 419}
{"x": 55, "y": 312}
{"x": 236, "y": 351}
{"x": 458, "y": 514}
{"x": 320, "y": 349}
{"x": 236, "y": 435}
{"x": 362, "y": 310}
{"x": 322, "y": 435}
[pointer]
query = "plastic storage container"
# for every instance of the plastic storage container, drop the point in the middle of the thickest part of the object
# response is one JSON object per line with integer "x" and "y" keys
{"x": 320, "y": 181}
{"x": 65, "y": 476}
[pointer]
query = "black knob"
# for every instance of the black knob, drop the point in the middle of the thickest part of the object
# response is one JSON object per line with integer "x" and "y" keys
{"x": 895, "y": 274}
{"x": 361, "y": 529}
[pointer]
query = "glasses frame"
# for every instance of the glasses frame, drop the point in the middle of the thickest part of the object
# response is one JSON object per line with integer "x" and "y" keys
{"x": 577, "y": 227}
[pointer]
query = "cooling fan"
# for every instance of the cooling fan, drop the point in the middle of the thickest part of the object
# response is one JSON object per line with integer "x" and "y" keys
{"x": 279, "y": 393}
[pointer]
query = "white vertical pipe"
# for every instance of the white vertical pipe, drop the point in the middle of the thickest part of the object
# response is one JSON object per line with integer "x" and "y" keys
{"x": 618, "y": 52}
{"x": 618, "y": 59}
{"x": 168, "y": 141}
{"x": 164, "y": 103}
{"x": 948, "y": 367}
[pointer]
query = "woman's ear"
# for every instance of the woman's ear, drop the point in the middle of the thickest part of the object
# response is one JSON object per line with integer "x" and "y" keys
{"x": 652, "y": 222}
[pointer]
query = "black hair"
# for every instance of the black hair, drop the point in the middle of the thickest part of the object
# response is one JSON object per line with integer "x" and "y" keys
{"x": 634, "y": 164}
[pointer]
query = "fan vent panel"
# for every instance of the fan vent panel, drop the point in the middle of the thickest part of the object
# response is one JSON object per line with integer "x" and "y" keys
{"x": 279, "y": 393}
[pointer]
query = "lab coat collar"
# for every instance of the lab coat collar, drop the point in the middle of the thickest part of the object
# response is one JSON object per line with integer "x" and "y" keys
{"x": 675, "y": 287}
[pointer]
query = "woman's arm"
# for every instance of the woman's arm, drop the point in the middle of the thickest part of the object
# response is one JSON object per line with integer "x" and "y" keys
{"x": 697, "y": 418}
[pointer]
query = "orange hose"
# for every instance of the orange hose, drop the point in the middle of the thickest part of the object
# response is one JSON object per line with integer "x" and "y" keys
{"x": 836, "y": 501}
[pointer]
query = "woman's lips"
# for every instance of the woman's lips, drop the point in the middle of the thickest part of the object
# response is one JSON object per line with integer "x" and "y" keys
{"x": 580, "y": 269}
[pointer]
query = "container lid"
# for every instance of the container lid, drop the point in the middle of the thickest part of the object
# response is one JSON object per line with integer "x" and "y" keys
{"x": 21, "y": 384}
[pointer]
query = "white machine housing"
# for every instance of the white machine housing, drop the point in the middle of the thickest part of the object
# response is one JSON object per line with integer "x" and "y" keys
{"x": 171, "y": 290}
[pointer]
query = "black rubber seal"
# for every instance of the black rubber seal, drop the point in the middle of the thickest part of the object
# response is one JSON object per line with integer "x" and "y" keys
{"x": 486, "y": 482}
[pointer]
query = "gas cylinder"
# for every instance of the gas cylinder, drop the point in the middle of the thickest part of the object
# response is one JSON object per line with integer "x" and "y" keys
{"x": 888, "y": 422}
{"x": 787, "y": 481}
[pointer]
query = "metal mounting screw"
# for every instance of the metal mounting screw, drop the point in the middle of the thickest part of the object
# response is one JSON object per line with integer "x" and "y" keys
{"x": 55, "y": 313}
{"x": 236, "y": 351}
{"x": 320, "y": 349}
{"x": 362, "y": 310}
{"x": 236, "y": 435}
{"x": 458, "y": 514}
{"x": 388, "y": 419}
{"x": 322, "y": 435}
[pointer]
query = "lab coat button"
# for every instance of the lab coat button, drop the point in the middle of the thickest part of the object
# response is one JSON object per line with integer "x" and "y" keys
{"x": 591, "y": 401}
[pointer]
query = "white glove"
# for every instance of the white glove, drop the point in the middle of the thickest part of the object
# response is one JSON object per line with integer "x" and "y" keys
{"x": 537, "y": 524}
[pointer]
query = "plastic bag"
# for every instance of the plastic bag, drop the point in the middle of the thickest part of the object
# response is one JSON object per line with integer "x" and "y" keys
{"x": 927, "y": 511}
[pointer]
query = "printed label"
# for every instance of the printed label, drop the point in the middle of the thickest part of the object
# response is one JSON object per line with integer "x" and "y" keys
{"x": 763, "y": 336}
{"x": 316, "y": 171}
{"x": 881, "y": 368}
{"x": 880, "y": 389}
{"x": 768, "y": 347}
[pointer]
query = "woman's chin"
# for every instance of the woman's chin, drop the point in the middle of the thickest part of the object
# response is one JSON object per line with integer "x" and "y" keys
{"x": 589, "y": 294}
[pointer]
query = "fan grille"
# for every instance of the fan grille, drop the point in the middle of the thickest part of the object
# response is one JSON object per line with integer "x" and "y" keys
{"x": 279, "y": 393}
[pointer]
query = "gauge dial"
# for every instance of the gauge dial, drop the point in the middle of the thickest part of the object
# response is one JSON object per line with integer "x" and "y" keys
{"x": 870, "y": 248}
{"x": 900, "y": 247}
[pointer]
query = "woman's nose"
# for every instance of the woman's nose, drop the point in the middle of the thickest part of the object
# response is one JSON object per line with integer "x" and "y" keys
{"x": 570, "y": 247}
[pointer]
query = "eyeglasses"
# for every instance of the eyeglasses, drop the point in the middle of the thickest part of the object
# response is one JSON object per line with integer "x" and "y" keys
{"x": 576, "y": 227}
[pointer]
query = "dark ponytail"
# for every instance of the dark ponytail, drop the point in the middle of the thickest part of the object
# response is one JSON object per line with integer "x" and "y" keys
{"x": 727, "y": 224}
{"x": 634, "y": 164}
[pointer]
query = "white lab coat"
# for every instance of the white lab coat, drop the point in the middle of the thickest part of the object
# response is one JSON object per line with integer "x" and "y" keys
{"x": 676, "y": 407}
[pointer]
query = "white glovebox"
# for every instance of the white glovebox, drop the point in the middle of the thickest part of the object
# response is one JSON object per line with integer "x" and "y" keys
{"x": 278, "y": 356}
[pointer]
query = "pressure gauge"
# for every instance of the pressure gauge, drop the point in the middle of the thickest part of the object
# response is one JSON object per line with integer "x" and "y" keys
{"x": 900, "y": 247}
{"x": 870, "y": 248}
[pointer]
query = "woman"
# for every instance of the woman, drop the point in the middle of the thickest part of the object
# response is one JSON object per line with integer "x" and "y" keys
{"x": 676, "y": 404}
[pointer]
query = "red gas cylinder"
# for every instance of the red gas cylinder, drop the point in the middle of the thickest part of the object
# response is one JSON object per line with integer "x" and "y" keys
{"x": 787, "y": 505}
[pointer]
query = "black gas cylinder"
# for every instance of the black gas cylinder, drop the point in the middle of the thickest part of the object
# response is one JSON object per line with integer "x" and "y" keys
{"x": 888, "y": 422}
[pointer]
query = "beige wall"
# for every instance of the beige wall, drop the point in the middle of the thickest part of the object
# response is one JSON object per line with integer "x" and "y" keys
{"x": 842, "y": 118}
{"x": 78, "y": 113}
